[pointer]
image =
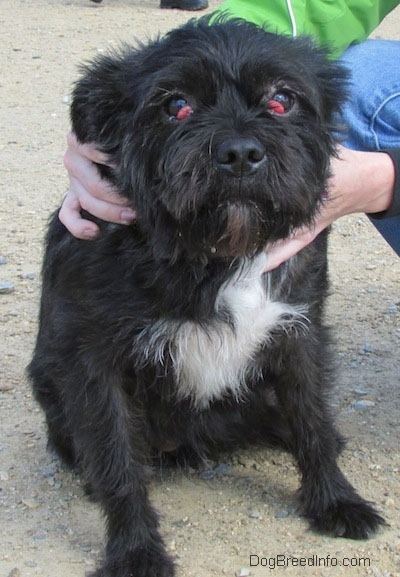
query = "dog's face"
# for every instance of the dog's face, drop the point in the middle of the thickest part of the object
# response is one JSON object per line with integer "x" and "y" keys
{"x": 221, "y": 134}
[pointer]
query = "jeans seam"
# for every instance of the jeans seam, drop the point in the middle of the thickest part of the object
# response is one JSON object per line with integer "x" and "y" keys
{"x": 375, "y": 115}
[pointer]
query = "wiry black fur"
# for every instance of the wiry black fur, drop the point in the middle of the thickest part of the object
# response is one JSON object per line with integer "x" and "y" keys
{"x": 107, "y": 401}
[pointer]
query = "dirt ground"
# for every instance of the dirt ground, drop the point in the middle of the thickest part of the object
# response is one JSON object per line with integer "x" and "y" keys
{"x": 213, "y": 523}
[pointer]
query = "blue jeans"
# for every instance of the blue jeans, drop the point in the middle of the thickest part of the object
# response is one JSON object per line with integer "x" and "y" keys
{"x": 372, "y": 114}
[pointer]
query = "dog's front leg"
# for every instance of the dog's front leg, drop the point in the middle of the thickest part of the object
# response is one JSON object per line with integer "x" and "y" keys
{"x": 110, "y": 447}
{"x": 327, "y": 499}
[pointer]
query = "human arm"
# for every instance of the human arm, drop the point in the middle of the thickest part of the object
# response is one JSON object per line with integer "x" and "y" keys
{"x": 360, "y": 182}
{"x": 335, "y": 24}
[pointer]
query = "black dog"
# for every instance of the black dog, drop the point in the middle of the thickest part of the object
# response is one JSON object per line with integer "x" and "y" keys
{"x": 166, "y": 335}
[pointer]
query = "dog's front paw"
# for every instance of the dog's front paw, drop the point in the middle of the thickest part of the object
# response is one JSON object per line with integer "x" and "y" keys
{"x": 145, "y": 561}
{"x": 352, "y": 520}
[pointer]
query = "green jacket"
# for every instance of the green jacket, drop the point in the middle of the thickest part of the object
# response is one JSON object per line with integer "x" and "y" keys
{"x": 335, "y": 23}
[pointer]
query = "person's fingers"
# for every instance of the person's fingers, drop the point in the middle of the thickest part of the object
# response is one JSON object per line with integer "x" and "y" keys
{"x": 86, "y": 150}
{"x": 70, "y": 216}
{"x": 82, "y": 171}
{"x": 282, "y": 251}
{"x": 89, "y": 191}
{"x": 77, "y": 198}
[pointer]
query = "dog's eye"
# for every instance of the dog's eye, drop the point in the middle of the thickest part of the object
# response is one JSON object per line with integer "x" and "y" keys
{"x": 281, "y": 102}
{"x": 178, "y": 108}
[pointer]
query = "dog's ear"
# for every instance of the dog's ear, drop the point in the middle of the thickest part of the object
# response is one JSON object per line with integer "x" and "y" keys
{"x": 332, "y": 84}
{"x": 104, "y": 100}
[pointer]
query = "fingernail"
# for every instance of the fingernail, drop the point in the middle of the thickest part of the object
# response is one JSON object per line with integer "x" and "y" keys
{"x": 90, "y": 233}
{"x": 127, "y": 215}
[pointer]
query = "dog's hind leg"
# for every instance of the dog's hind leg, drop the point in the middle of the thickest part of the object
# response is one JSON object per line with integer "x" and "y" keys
{"x": 327, "y": 499}
{"x": 45, "y": 392}
{"x": 108, "y": 438}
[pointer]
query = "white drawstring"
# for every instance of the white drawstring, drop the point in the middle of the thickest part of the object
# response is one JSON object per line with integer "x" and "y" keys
{"x": 292, "y": 18}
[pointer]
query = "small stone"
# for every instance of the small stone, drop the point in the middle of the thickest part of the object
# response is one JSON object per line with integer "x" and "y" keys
{"x": 30, "y": 503}
{"x": 207, "y": 475}
{"x": 6, "y": 287}
{"x": 3, "y": 260}
{"x": 363, "y": 404}
{"x": 243, "y": 572}
{"x": 28, "y": 276}
{"x": 282, "y": 514}
{"x": 50, "y": 470}
{"x": 14, "y": 572}
{"x": 254, "y": 514}
{"x": 4, "y": 476}
{"x": 247, "y": 463}
{"x": 5, "y": 387}
{"x": 360, "y": 392}
{"x": 366, "y": 350}
{"x": 222, "y": 469}
{"x": 181, "y": 522}
{"x": 172, "y": 546}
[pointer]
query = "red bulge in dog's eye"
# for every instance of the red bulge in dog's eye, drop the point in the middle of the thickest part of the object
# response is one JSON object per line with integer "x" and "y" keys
{"x": 280, "y": 103}
{"x": 179, "y": 108}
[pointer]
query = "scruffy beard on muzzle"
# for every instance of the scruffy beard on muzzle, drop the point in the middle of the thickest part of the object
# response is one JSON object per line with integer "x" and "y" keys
{"x": 215, "y": 215}
{"x": 232, "y": 229}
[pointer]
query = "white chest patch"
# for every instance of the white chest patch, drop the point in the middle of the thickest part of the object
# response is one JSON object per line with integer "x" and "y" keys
{"x": 214, "y": 358}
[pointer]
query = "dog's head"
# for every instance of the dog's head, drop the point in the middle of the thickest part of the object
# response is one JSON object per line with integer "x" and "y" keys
{"x": 220, "y": 134}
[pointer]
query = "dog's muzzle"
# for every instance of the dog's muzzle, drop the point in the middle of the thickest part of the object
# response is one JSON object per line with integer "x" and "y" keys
{"x": 240, "y": 156}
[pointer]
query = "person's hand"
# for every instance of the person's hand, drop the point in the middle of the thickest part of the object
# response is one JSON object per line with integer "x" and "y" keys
{"x": 89, "y": 191}
{"x": 360, "y": 182}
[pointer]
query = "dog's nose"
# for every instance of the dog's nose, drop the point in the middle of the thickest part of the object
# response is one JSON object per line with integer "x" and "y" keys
{"x": 240, "y": 156}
